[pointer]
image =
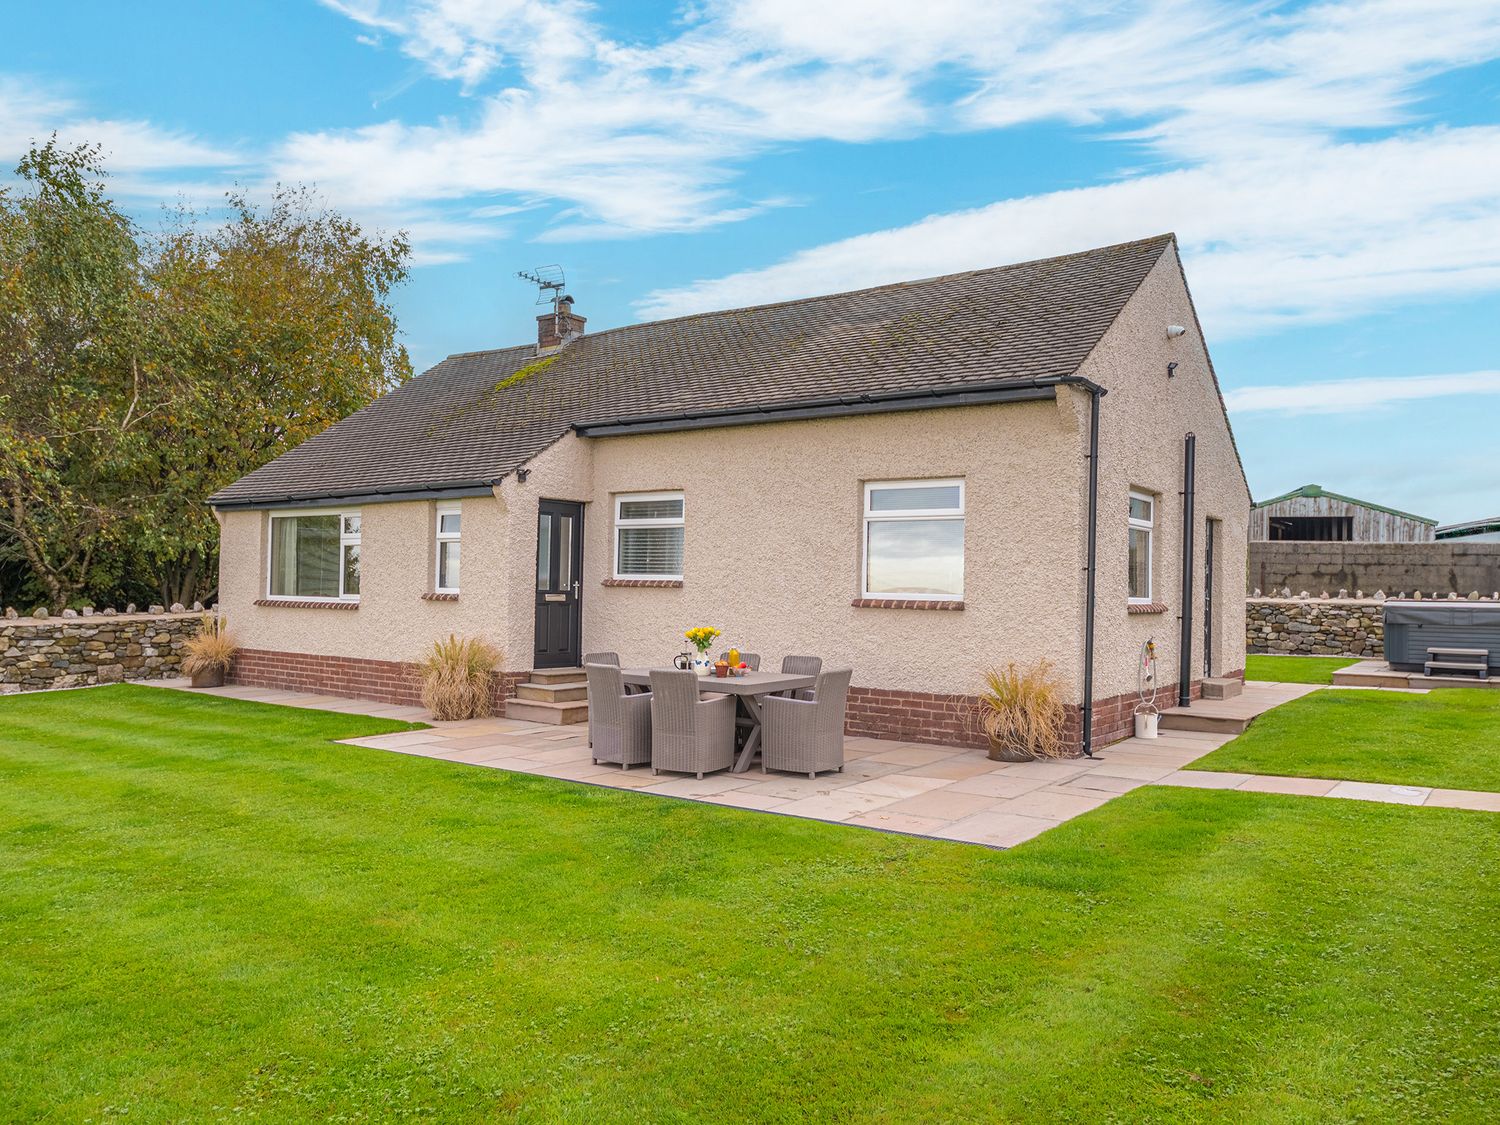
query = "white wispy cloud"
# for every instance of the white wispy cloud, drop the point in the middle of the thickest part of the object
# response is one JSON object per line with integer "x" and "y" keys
{"x": 1352, "y": 396}
{"x": 32, "y": 110}
{"x": 649, "y": 136}
{"x": 1270, "y": 237}
{"x": 1246, "y": 116}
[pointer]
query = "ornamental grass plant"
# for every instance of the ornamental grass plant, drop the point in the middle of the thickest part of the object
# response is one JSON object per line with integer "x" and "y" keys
{"x": 1021, "y": 712}
{"x": 457, "y": 678}
{"x": 211, "y": 649}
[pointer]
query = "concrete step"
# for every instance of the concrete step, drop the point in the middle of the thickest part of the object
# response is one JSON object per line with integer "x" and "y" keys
{"x": 553, "y": 693}
{"x": 1481, "y": 653}
{"x": 1187, "y": 718}
{"x": 1222, "y": 688}
{"x": 557, "y": 714}
{"x": 557, "y": 675}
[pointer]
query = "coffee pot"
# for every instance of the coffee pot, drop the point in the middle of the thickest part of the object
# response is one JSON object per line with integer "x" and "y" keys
{"x": 683, "y": 661}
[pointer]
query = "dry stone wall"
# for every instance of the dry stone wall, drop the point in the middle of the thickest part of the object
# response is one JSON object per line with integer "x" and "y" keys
{"x": 1326, "y": 625}
{"x": 100, "y": 648}
{"x": 1315, "y": 626}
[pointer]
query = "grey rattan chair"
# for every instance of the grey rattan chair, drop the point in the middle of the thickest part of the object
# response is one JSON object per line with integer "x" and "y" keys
{"x": 619, "y": 724}
{"x": 802, "y": 666}
{"x": 806, "y": 735}
{"x": 601, "y": 658}
{"x": 688, "y": 734}
{"x": 751, "y": 659}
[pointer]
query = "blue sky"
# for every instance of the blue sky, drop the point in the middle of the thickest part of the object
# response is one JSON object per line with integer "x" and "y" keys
{"x": 1332, "y": 171}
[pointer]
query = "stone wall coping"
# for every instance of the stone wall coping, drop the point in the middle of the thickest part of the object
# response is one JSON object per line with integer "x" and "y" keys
{"x": 1365, "y": 601}
{"x": 101, "y": 618}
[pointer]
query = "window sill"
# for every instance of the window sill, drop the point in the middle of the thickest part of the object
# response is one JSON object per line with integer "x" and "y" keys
{"x": 294, "y": 603}
{"x": 904, "y": 603}
{"x": 645, "y": 583}
{"x": 441, "y": 596}
{"x": 1147, "y": 607}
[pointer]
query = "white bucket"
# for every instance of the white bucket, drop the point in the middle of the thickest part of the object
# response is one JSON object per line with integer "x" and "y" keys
{"x": 1145, "y": 724}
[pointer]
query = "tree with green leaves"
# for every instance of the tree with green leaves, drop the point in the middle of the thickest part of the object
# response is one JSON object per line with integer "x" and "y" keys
{"x": 139, "y": 373}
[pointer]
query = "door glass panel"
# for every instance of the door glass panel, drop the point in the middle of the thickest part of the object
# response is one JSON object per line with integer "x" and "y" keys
{"x": 564, "y": 552}
{"x": 544, "y": 551}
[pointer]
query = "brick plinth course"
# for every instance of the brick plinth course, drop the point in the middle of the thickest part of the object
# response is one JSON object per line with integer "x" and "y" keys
{"x": 58, "y": 652}
{"x": 383, "y": 681}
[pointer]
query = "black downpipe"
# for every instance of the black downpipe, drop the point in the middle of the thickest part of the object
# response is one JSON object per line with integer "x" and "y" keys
{"x": 1185, "y": 648}
{"x": 1208, "y": 598}
{"x": 1095, "y": 394}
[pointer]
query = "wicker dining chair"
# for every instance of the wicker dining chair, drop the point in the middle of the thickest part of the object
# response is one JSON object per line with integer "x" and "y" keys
{"x": 601, "y": 658}
{"x": 806, "y": 735}
{"x": 619, "y": 724}
{"x": 801, "y": 666}
{"x": 751, "y": 660}
{"x": 688, "y": 734}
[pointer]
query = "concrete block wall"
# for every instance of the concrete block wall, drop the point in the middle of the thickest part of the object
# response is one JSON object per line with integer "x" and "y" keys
{"x": 1396, "y": 568}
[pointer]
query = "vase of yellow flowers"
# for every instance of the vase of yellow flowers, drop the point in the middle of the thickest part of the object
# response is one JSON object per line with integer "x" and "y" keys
{"x": 702, "y": 637}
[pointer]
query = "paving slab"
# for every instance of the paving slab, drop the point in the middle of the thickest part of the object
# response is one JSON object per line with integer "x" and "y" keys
{"x": 677, "y": 786}
{"x": 944, "y": 804}
{"x": 1205, "y": 779}
{"x": 897, "y": 785}
{"x": 1464, "y": 799}
{"x": 835, "y": 806}
{"x": 1054, "y": 804}
{"x": 890, "y": 821}
{"x": 999, "y": 785}
{"x": 1296, "y": 786}
{"x": 998, "y": 828}
{"x": 1387, "y": 794}
{"x": 1101, "y": 783}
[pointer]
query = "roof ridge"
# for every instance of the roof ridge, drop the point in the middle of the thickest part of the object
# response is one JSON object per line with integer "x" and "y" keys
{"x": 1166, "y": 238}
{"x": 1313, "y": 491}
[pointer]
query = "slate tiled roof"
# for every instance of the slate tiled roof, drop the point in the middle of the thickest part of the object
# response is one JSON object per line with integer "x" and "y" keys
{"x": 478, "y": 416}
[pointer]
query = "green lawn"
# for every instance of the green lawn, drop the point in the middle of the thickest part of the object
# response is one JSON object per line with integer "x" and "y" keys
{"x": 1295, "y": 669}
{"x": 209, "y": 912}
{"x": 1448, "y": 738}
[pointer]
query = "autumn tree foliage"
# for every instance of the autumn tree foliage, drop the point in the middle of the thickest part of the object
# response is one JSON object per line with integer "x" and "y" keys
{"x": 140, "y": 371}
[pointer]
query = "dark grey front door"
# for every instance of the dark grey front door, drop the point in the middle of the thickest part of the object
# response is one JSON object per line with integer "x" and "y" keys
{"x": 559, "y": 563}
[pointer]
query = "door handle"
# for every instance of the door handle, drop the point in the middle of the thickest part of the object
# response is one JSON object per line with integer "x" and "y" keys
{"x": 575, "y": 589}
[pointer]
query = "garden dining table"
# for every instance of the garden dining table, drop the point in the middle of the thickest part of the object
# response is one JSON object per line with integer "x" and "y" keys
{"x": 747, "y": 689}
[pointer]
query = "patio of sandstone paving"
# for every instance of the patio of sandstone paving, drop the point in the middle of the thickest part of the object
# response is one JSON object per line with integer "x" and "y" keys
{"x": 945, "y": 792}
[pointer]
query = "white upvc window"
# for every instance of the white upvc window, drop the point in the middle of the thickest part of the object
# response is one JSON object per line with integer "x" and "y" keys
{"x": 914, "y": 540}
{"x": 1142, "y": 524}
{"x": 314, "y": 556}
{"x": 449, "y": 533}
{"x": 649, "y": 535}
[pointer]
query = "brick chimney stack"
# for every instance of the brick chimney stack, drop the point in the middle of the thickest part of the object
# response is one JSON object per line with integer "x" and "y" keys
{"x": 554, "y": 329}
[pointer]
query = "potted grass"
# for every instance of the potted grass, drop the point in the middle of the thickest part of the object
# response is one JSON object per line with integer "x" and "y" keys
{"x": 1021, "y": 713}
{"x": 209, "y": 652}
{"x": 457, "y": 678}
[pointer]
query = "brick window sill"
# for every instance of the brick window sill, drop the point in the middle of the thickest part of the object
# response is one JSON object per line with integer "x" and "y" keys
{"x": 293, "y": 603}
{"x": 645, "y": 583}
{"x": 440, "y": 596}
{"x": 1147, "y": 607}
{"x": 904, "y": 603}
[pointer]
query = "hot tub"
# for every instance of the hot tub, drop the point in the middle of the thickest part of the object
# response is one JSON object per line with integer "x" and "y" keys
{"x": 1411, "y": 628}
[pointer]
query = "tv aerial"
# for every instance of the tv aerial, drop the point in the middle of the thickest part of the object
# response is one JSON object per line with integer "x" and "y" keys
{"x": 549, "y": 282}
